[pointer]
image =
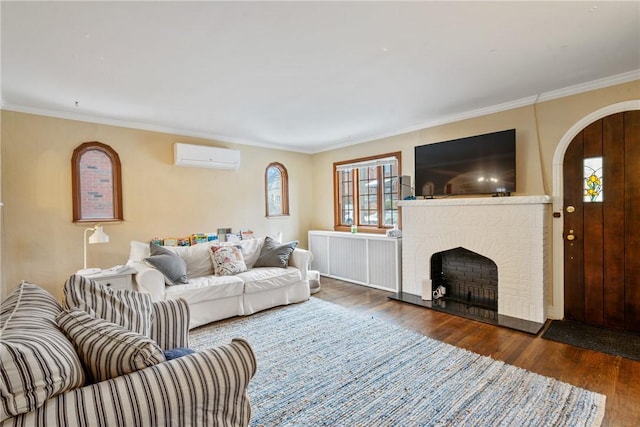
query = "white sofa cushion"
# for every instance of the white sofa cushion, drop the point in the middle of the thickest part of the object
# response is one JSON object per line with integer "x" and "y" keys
{"x": 262, "y": 279}
{"x": 207, "y": 288}
{"x": 37, "y": 361}
{"x": 196, "y": 257}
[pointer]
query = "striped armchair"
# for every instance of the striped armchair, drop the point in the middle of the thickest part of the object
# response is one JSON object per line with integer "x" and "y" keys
{"x": 206, "y": 388}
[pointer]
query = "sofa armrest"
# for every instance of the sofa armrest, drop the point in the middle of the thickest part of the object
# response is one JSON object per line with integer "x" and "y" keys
{"x": 149, "y": 280}
{"x": 170, "y": 324}
{"x": 207, "y": 388}
{"x": 301, "y": 259}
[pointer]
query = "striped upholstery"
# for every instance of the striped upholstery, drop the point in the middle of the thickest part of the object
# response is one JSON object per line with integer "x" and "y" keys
{"x": 37, "y": 361}
{"x": 129, "y": 309}
{"x": 107, "y": 350}
{"x": 170, "y": 324}
{"x": 208, "y": 388}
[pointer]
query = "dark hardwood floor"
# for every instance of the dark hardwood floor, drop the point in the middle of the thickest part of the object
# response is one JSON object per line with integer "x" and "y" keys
{"x": 616, "y": 377}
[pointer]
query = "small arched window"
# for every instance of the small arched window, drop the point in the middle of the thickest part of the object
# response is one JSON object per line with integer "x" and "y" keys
{"x": 276, "y": 190}
{"x": 97, "y": 183}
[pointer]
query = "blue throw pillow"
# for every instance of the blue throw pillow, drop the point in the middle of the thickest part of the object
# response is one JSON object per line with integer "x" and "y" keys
{"x": 174, "y": 353}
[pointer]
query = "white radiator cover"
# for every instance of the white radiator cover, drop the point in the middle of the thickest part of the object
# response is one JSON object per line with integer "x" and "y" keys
{"x": 367, "y": 259}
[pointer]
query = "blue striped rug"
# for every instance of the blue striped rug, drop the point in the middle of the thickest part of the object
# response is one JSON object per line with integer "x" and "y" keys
{"x": 323, "y": 364}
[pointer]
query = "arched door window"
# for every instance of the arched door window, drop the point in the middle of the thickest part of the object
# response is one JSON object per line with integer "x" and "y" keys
{"x": 97, "y": 183}
{"x": 276, "y": 190}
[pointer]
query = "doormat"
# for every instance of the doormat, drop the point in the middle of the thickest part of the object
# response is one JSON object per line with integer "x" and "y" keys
{"x": 608, "y": 341}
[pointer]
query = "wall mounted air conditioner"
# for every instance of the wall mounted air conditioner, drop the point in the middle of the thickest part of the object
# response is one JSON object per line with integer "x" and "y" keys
{"x": 201, "y": 156}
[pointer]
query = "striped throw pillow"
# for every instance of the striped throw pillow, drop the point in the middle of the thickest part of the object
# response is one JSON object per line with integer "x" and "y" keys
{"x": 37, "y": 361}
{"x": 129, "y": 309}
{"x": 108, "y": 350}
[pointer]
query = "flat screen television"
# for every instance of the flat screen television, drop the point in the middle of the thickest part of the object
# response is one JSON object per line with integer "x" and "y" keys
{"x": 482, "y": 164}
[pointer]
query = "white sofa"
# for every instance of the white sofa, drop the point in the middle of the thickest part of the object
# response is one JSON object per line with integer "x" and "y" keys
{"x": 212, "y": 297}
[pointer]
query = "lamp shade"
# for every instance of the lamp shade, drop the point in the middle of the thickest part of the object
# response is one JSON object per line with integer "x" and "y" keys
{"x": 98, "y": 236}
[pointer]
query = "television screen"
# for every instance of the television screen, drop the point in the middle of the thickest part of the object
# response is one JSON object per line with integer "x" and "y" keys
{"x": 482, "y": 164}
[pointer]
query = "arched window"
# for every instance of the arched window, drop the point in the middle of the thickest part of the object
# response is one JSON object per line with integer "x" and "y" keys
{"x": 276, "y": 190}
{"x": 97, "y": 183}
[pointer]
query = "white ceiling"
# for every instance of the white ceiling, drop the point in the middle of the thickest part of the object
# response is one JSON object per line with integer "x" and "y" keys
{"x": 306, "y": 76}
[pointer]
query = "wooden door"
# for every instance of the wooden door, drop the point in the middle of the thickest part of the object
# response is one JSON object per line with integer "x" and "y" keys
{"x": 602, "y": 238}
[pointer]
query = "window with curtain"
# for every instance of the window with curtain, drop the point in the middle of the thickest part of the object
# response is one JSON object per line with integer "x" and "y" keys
{"x": 96, "y": 183}
{"x": 366, "y": 193}
{"x": 276, "y": 190}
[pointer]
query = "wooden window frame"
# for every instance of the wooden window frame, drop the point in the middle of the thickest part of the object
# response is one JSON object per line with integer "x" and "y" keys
{"x": 116, "y": 174}
{"x": 284, "y": 189}
{"x": 379, "y": 229}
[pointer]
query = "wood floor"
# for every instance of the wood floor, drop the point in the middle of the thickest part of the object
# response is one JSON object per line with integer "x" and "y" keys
{"x": 616, "y": 377}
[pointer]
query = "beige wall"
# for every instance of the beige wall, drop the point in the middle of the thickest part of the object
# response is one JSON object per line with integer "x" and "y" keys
{"x": 41, "y": 243}
{"x": 539, "y": 128}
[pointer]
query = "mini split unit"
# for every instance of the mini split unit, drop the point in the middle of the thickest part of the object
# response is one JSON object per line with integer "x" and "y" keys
{"x": 201, "y": 156}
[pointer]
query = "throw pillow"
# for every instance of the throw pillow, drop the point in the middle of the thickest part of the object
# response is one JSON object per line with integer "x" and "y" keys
{"x": 227, "y": 260}
{"x": 169, "y": 263}
{"x": 196, "y": 258}
{"x": 138, "y": 251}
{"x": 251, "y": 250}
{"x": 129, "y": 309}
{"x": 174, "y": 353}
{"x": 275, "y": 254}
{"x": 106, "y": 349}
{"x": 37, "y": 361}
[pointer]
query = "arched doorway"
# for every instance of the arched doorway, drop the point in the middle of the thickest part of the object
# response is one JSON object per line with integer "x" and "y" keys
{"x": 596, "y": 265}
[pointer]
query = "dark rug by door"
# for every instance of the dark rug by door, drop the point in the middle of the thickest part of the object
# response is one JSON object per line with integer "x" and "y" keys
{"x": 593, "y": 338}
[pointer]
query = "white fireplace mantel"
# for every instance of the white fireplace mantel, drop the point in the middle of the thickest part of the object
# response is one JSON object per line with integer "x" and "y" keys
{"x": 511, "y": 231}
{"x": 477, "y": 201}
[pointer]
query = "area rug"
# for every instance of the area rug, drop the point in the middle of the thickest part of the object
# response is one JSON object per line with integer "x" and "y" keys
{"x": 607, "y": 341}
{"x": 324, "y": 364}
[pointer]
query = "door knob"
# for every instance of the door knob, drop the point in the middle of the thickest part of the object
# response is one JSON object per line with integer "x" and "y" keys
{"x": 571, "y": 236}
{"x": 571, "y": 209}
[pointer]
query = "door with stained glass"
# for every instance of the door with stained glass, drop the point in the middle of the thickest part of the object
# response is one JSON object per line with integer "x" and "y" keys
{"x": 602, "y": 223}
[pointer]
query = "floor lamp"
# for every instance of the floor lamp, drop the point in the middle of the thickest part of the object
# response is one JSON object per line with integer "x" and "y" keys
{"x": 99, "y": 236}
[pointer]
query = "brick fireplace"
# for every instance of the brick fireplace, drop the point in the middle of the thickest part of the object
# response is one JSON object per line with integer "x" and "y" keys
{"x": 512, "y": 232}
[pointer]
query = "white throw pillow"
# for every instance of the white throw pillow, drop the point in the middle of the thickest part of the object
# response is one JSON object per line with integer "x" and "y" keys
{"x": 196, "y": 257}
{"x": 139, "y": 251}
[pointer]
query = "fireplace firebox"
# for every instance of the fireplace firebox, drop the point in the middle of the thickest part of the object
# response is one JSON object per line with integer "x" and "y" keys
{"x": 464, "y": 282}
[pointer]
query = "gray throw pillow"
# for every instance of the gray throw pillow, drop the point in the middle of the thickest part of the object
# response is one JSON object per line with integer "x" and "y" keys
{"x": 275, "y": 254}
{"x": 168, "y": 263}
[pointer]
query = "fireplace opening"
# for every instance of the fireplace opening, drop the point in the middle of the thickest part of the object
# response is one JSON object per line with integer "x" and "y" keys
{"x": 464, "y": 282}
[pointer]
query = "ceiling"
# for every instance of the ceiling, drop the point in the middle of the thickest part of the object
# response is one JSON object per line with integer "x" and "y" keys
{"x": 306, "y": 76}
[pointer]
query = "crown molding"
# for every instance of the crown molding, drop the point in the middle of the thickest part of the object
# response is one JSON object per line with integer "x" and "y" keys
{"x": 592, "y": 85}
{"x": 522, "y": 102}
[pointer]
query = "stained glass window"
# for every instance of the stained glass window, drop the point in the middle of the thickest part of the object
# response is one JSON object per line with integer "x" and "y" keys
{"x": 593, "y": 190}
